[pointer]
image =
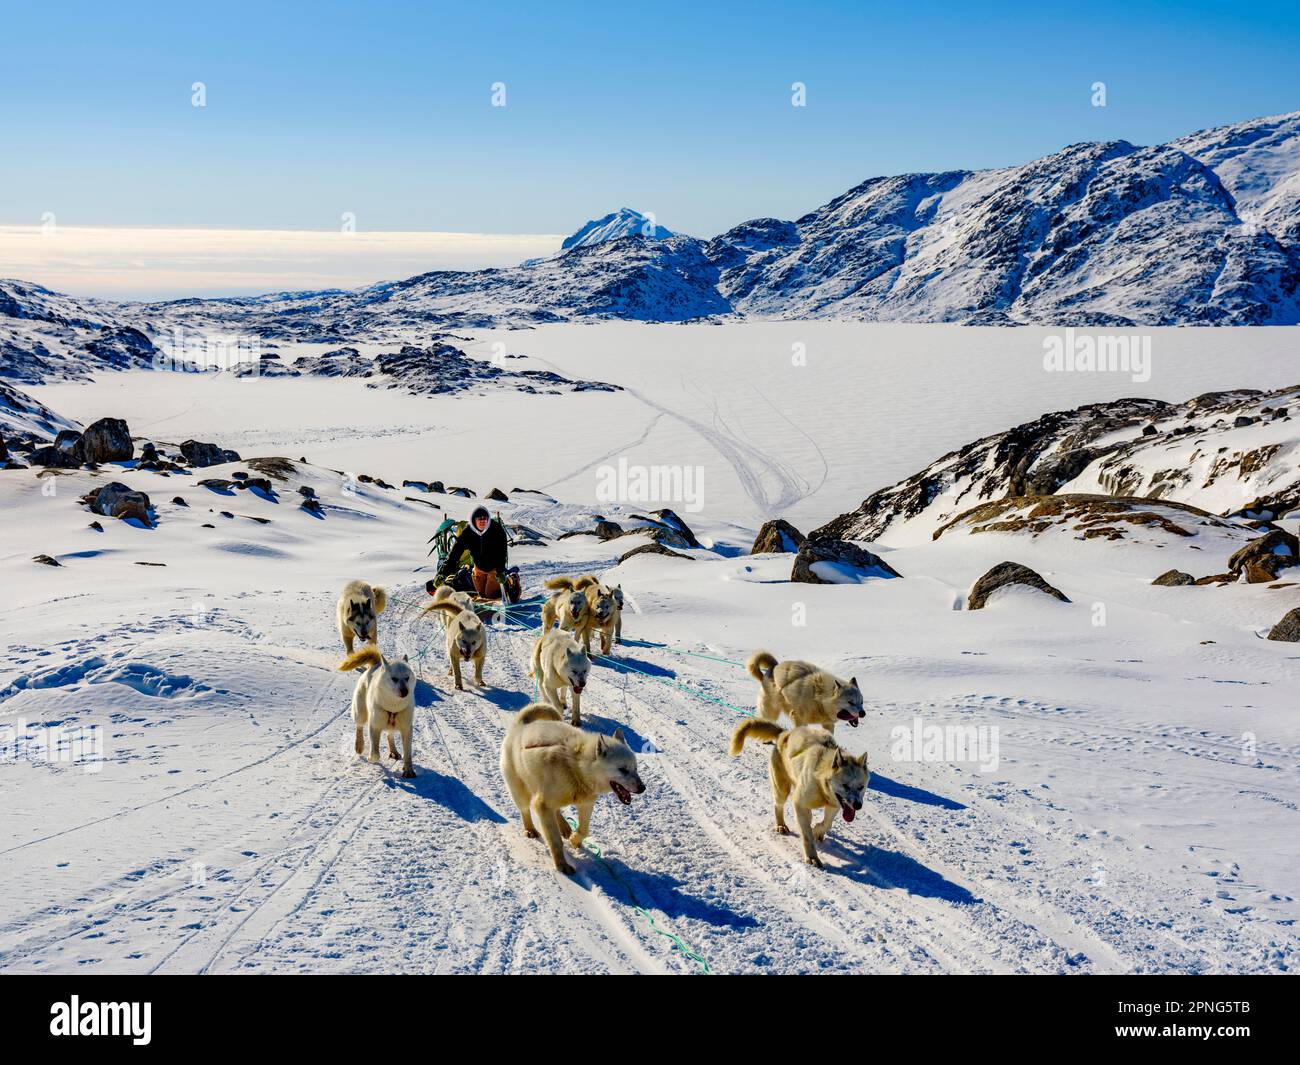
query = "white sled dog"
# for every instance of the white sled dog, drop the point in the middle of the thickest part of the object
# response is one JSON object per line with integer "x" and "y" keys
{"x": 383, "y": 701}
{"x": 358, "y": 612}
{"x": 547, "y": 765}
{"x": 559, "y": 662}
{"x": 805, "y": 694}
{"x": 602, "y": 613}
{"x": 809, "y": 767}
{"x": 566, "y": 604}
{"x": 466, "y": 639}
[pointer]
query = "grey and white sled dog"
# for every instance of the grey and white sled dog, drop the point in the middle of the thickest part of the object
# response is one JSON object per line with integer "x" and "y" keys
{"x": 809, "y": 767}
{"x": 602, "y": 613}
{"x": 559, "y": 662}
{"x": 358, "y": 612}
{"x": 549, "y": 765}
{"x": 383, "y": 702}
{"x": 447, "y": 594}
{"x": 566, "y": 605}
{"x": 466, "y": 639}
{"x": 806, "y": 694}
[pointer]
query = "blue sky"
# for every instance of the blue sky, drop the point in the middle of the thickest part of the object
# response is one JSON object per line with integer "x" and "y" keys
{"x": 383, "y": 109}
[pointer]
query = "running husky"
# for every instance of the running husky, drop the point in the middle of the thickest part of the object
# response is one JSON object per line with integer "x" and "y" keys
{"x": 804, "y": 693}
{"x": 567, "y": 605}
{"x": 809, "y": 767}
{"x": 618, "y": 623}
{"x": 383, "y": 701}
{"x": 602, "y": 613}
{"x": 358, "y": 612}
{"x": 466, "y": 639}
{"x": 547, "y": 765}
{"x": 559, "y": 662}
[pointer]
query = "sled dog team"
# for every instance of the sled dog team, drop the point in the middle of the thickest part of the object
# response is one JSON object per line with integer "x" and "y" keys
{"x": 549, "y": 764}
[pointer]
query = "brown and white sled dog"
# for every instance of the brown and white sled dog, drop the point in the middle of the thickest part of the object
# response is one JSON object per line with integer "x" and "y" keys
{"x": 549, "y": 765}
{"x": 383, "y": 701}
{"x": 805, "y": 694}
{"x": 810, "y": 768}
{"x": 358, "y": 612}
{"x": 566, "y": 605}
{"x": 602, "y": 613}
{"x": 559, "y": 662}
{"x": 466, "y": 639}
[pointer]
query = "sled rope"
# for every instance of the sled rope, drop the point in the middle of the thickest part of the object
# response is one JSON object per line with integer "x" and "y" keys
{"x": 587, "y": 845}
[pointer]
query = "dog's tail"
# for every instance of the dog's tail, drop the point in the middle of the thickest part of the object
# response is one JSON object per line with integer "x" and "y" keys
{"x": 446, "y": 606}
{"x": 587, "y": 580}
{"x": 537, "y": 712}
{"x": 536, "y": 671}
{"x": 381, "y": 599}
{"x": 559, "y": 584}
{"x": 762, "y": 731}
{"x": 760, "y": 666}
{"x": 367, "y": 656}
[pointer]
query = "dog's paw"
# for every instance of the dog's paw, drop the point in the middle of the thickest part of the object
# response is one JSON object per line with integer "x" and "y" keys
{"x": 781, "y": 830}
{"x": 407, "y": 774}
{"x": 817, "y": 862}
{"x": 374, "y": 756}
{"x": 565, "y": 868}
{"x": 531, "y": 833}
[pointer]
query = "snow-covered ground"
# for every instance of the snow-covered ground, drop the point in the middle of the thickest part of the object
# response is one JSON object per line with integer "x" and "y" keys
{"x": 1133, "y": 805}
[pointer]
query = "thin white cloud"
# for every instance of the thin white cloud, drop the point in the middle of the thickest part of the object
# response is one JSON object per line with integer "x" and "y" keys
{"x": 146, "y": 263}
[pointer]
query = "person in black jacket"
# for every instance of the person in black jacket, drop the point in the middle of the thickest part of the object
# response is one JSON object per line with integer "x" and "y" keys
{"x": 485, "y": 541}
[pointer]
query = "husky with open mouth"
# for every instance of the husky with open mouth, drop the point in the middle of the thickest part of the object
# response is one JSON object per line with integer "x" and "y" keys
{"x": 559, "y": 662}
{"x": 806, "y": 694}
{"x": 549, "y": 765}
{"x": 566, "y": 605}
{"x": 466, "y": 639}
{"x": 602, "y": 613}
{"x": 811, "y": 769}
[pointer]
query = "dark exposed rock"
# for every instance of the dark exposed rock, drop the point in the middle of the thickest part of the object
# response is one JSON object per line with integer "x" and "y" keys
{"x": 837, "y": 558}
{"x": 179, "y": 501}
{"x": 45, "y": 560}
{"x": 107, "y": 440}
{"x": 777, "y": 535}
{"x": 1288, "y": 629}
{"x": 275, "y": 467}
{"x": 498, "y": 495}
{"x": 67, "y": 439}
{"x": 54, "y": 458}
{"x": 306, "y": 491}
{"x": 198, "y": 453}
{"x": 674, "y": 521}
{"x": 1264, "y": 558}
{"x": 608, "y": 530}
{"x": 458, "y": 490}
{"x": 116, "y": 500}
{"x": 1001, "y": 576}
{"x": 1174, "y": 579}
{"x": 262, "y": 484}
{"x": 654, "y": 549}
{"x": 218, "y": 484}
{"x": 312, "y": 505}
{"x": 96, "y": 526}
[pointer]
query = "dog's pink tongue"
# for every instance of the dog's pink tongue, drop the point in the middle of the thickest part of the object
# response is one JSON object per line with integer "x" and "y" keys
{"x": 848, "y": 812}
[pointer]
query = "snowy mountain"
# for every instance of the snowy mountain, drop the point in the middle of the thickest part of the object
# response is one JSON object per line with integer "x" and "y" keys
{"x": 1236, "y": 453}
{"x": 624, "y": 222}
{"x": 1204, "y": 230}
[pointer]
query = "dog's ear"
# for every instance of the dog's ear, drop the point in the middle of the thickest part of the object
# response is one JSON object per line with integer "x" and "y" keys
{"x": 618, "y": 735}
{"x": 601, "y": 746}
{"x": 839, "y": 759}
{"x": 406, "y": 658}
{"x": 853, "y": 682}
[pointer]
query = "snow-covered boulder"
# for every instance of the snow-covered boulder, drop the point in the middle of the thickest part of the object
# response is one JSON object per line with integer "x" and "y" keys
{"x": 837, "y": 562}
{"x": 1003, "y": 575}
